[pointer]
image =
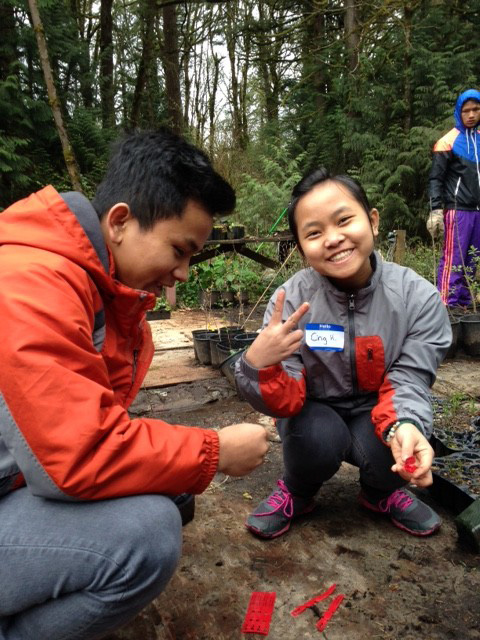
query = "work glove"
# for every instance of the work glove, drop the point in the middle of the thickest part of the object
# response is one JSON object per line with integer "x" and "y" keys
{"x": 435, "y": 223}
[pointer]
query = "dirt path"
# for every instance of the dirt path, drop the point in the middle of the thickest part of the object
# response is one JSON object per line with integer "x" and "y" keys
{"x": 396, "y": 587}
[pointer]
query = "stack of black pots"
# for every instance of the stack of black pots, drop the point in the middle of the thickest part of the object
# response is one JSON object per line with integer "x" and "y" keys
{"x": 221, "y": 349}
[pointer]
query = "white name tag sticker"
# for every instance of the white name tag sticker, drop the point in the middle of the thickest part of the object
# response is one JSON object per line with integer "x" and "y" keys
{"x": 325, "y": 337}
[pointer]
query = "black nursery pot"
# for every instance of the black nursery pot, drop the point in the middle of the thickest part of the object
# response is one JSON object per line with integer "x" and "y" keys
{"x": 227, "y": 334}
{"x": 238, "y": 231}
{"x": 242, "y": 297}
{"x": 231, "y": 330}
{"x": 244, "y": 340}
{"x": 218, "y": 233}
{"x": 471, "y": 334}
{"x": 209, "y": 299}
{"x": 228, "y": 367}
{"x": 197, "y": 332}
{"x": 227, "y": 298}
{"x": 214, "y": 355}
{"x": 201, "y": 345}
{"x": 223, "y": 351}
{"x": 456, "y": 328}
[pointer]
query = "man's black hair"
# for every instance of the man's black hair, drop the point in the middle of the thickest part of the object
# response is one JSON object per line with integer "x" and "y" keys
{"x": 156, "y": 173}
{"x": 311, "y": 180}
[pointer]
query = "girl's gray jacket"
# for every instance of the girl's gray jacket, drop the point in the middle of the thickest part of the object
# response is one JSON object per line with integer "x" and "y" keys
{"x": 378, "y": 348}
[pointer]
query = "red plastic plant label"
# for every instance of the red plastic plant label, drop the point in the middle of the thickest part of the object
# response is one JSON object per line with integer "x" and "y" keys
{"x": 301, "y": 608}
{"x": 410, "y": 465}
{"x": 259, "y": 612}
{"x": 324, "y": 620}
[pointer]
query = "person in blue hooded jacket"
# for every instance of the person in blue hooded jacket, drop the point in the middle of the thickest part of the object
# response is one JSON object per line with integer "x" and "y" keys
{"x": 454, "y": 187}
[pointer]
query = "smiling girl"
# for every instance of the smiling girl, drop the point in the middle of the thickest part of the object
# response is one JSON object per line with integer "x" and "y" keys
{"x": 347, "y": 355}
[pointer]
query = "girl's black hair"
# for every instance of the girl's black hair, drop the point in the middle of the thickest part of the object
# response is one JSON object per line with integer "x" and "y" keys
{"x": 311, "y": 180}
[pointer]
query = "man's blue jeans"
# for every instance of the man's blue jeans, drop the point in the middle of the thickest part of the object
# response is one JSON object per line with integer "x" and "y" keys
{"x": 76, "y": 570}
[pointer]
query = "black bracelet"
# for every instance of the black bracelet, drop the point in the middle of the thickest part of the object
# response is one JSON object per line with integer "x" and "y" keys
{"x": 390, "y": 431}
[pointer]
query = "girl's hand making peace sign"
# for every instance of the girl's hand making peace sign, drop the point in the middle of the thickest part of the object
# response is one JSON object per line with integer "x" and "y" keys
{"x": 278, "y": 340}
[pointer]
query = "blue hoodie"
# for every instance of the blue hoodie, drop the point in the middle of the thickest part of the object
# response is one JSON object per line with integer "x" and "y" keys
{"x": 454, "y": 181}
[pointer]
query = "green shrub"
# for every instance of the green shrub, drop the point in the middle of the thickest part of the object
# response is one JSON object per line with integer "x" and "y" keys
{"x": 422, "y": 259}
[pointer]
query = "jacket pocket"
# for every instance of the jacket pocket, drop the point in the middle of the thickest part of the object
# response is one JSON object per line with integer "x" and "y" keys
{"x": 370, "y": 362}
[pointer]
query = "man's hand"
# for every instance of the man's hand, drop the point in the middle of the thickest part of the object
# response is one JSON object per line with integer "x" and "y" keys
{"x": 409, "y": 441}
{"x": 278, "y": 340}
{"x": 435, "y": 225}
{"x": 243, "y": 447}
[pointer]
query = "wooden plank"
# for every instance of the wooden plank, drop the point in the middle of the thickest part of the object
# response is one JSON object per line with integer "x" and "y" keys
{"x": 254, "y": 255}
{"x": 175, "y": 366}
{"x": 170, "y": 337}
{"x": 237, "y": 246}
{"x": 400, "y": 237}
{"x": 207, "y": 255}
{"x": 240, "y": 249}
{"x": 250, "y": 240}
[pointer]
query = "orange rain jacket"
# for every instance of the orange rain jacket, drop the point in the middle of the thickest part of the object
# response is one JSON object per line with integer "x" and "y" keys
{"x": 74, "y": 349}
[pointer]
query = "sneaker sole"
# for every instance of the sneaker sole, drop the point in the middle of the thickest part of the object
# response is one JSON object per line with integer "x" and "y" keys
{"x": 419, "y": 534}
{"x": 368, "y": 505}
{"x": 364, "y": 503}
{"x": 269, "y": 536}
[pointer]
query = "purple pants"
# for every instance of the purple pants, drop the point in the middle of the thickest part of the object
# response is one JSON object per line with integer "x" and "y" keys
{"x": 462, "y": 231}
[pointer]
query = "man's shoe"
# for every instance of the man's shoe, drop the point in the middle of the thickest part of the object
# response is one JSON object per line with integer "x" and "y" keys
{"x": 273, "y": 515}
{"x": 406, "y": 511}
{"x": 186, "y": 505}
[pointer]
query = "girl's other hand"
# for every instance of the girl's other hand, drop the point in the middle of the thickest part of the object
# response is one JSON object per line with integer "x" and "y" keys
{"x": 408, "y": 442}
{"x": 278, "y": 340}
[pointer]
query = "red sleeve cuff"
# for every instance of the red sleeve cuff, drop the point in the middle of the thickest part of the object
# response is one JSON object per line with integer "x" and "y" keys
{"x": 210, "y": 465}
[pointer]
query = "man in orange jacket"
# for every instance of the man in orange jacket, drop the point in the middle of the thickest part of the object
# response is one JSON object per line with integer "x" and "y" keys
{"x": 89, "y": 531}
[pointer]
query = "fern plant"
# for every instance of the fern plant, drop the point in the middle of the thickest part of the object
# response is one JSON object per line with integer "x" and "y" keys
{"x": 263, "y": 194}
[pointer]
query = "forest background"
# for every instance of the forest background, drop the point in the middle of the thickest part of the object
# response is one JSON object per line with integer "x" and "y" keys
{"x": 269, "y": 89}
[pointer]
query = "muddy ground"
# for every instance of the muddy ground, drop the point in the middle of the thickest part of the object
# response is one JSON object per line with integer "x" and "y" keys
{"x": 396, "y": 586}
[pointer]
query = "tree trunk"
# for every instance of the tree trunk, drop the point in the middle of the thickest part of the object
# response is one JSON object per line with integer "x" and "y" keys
{"x": 407, "y": 73}
{"x": 171, "y": 67}
{"x": 351, "y": 34}
{"x": 8, "y": 53}
{"x": 247, "y": 52}
{"x": 147, "y": 16}
{"x": 68, "y": 153}
{"x": 239, "y": 135}
{"x": 267, "y": 66}
{"x": 199, "y": 107}
{"x": 106, "y": 64}
{"x": 317, "y": 35}
{"x": 212, "y": 100}
{"x": 84, "y": 29}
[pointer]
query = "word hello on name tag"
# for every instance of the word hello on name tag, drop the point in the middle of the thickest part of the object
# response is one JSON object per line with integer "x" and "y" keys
{"x": 325, "y": 337}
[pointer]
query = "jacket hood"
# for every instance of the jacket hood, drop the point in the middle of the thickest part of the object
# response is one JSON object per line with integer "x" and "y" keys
{"x": 65, "y": 224}
{"x": 469, "y": 94}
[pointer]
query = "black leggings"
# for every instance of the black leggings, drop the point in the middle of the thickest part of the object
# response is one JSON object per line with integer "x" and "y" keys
{"x": 318, "y": 439}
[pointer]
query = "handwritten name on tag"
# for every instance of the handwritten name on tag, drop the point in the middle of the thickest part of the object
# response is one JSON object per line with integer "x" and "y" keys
{"x": 325, "y": 337}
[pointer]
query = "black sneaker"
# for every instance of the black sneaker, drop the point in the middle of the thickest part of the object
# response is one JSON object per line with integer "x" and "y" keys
{"x": 186, "y": 505}
{"x": 273, "y": 515}
{"x": 406, "y": 512}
